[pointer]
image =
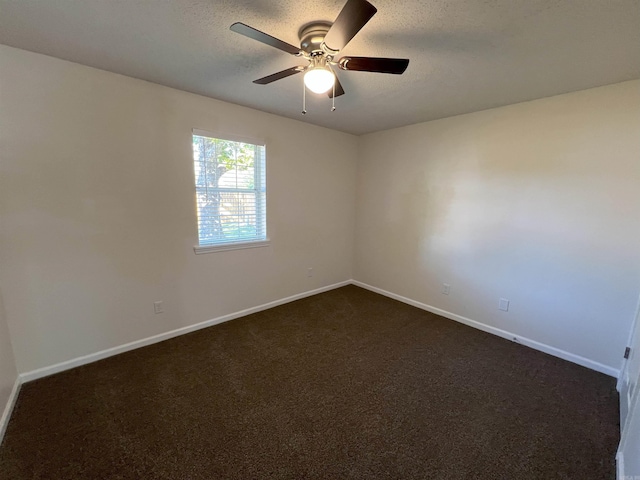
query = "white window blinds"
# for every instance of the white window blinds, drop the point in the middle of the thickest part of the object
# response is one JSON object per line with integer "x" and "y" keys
{"x": 230, "y": 190}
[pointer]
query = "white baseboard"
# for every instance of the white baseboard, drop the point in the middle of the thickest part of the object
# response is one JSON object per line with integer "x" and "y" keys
{"x": 8, "y": 409}
{"x": 93, "y": 357}
{"x": 556, "y": 352}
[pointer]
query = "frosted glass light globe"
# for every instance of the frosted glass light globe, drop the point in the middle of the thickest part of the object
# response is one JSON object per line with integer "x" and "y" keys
{"x": 319, "y": 80}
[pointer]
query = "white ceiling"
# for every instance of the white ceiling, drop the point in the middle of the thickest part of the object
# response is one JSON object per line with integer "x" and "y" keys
{"x": 466, "y": 55}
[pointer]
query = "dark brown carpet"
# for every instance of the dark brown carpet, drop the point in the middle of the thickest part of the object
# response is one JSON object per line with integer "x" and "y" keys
{"x": 346, "y": 384}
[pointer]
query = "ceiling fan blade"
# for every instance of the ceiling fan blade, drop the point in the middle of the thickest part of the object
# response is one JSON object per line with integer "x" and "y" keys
{"x": 372, "y": 64}
{"x": 251, "y": 32}
{"x": 339, "y": 89}
{"x": 354, "y": 15}
{"x": 278, "y": 76}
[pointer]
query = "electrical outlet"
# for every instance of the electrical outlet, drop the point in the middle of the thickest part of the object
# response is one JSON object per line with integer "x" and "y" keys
{"x": 309, "y": 272}
{"x": 503, "y": 304}
{"x": 157, "y": 307}
{"x": 445, "y": 288}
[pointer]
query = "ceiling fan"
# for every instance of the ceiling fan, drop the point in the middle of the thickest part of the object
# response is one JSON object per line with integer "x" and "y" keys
{"x": 320, "y": 42}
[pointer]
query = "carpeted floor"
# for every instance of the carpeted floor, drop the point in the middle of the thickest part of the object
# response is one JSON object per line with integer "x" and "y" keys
{"x": 346, "y": 384}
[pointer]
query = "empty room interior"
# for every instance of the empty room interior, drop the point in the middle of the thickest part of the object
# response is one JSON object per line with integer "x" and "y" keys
{"x": 324, "y": 239}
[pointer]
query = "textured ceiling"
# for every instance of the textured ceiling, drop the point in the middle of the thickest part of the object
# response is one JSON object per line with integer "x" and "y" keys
{"x": 466, "y": 55}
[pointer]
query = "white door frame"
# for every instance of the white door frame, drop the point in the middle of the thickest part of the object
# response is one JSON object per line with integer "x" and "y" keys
{"x": 623, "y": 379}
{"x": 630, "y": 407}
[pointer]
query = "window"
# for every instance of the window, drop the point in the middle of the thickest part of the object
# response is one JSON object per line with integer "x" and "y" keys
{"x": 230, "y": 193}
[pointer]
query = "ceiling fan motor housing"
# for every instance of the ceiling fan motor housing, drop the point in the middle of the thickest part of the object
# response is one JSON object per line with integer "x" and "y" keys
{"x": 312, "y": 36}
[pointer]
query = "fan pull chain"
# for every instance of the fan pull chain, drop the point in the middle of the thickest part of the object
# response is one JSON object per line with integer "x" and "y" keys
{"x": 304, "y": 99}
{"x": 333, "y": 97}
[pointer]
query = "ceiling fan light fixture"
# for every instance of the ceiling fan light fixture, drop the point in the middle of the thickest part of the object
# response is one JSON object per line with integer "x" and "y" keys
{"x": 319, "y": 79}
{"x": 320, "y": 42}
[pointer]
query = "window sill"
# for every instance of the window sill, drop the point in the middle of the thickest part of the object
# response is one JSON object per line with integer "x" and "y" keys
{"x": 201, "y": 249}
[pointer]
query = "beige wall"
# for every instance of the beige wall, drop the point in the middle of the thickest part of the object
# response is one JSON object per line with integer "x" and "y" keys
{"x": 98, "y": 217}
{"x": 8, "y": 372}
{"x": 537, "y": 202}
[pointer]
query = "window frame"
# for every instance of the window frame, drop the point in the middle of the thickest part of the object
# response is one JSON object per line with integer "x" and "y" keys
{"x": 259, "y": 174}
